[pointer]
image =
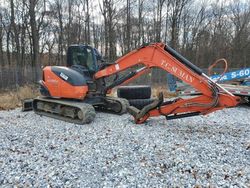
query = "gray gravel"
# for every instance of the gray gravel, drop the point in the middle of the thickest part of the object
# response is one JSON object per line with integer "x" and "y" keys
{"x": 112, "y": 151}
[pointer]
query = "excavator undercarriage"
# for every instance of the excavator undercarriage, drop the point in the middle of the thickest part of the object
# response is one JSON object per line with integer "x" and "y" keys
{"x": 79, "y": 112}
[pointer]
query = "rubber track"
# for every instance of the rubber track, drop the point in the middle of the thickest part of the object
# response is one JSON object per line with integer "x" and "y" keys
{"x": 87, "y": 110}
{"x": 123, "y": 103}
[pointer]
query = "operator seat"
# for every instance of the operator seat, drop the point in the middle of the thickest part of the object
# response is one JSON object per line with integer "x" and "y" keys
{"x": 82, "y": 60}
{"x": 82, "y": 67}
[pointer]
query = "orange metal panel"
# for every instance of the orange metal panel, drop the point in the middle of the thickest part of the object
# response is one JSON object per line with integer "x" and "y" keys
{"x": 60, "y": 88}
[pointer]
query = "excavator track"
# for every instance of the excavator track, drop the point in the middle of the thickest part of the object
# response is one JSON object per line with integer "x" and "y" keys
{"x": 114, "y": 105}
{"x": 69, "y": 111}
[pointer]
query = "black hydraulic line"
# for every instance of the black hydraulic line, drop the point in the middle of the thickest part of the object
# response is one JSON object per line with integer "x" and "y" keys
{"x": 121, "y": 80}
{"x": 183, "y": 115}
{"x": 183, "y": 60}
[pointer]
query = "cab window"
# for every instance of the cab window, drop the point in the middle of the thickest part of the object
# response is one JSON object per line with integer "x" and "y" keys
{"x": 83, "y": 56}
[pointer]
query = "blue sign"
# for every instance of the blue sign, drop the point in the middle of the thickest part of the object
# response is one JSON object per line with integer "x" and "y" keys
{"x": 239, "y": 74}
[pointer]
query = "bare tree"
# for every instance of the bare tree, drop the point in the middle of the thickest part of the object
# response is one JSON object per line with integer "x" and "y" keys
{"x": 59, "y": 17}
{"x": 1, "y": 41}
{"x": 34, "y": 37}
{"x": 140, "y": 39}
{"x": 158, "y": 32}
{"x": 15, "y": 36}
{"x": 109, "y": 14}
{"x": 240, "y": 35}
{"x": 128, "y": 26}
{"x": 175, "y": 20}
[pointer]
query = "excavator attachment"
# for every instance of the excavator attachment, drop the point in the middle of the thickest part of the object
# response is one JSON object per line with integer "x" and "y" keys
{"x": 140, "y": 116}
{"x": 213, "y": 96}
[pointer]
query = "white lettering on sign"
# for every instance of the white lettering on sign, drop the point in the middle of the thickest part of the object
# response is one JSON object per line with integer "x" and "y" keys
{"x": 117, "y": 67}
{"x": 177, "y": 72}
{"x": 64, "y": 76}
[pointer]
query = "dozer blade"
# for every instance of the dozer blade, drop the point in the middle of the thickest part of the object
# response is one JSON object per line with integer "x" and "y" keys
{"x": 70, "y": 111}
{"x": 27, "y": 105}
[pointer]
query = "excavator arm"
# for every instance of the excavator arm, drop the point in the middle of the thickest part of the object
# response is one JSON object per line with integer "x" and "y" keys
{"x": 213, "y": 97}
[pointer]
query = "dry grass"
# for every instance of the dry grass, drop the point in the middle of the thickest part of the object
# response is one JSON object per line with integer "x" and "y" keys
{"x": 13, "y": 98}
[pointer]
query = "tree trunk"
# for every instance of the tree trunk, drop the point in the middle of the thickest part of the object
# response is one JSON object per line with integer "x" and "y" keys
{"x": 60, "y": 37}
{"x": 69, "y": 38}
{"x": 1, "y": 42}
{"x": 15, "y": 35}
{"x": 88, "y": 22}
{"x": 128, "y": 27}
{"x": 35, "y": 39}
{"x": 8, "y": 48}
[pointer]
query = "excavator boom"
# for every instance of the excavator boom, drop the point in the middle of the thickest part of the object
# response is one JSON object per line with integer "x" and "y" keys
{"x": 162, "y": 56}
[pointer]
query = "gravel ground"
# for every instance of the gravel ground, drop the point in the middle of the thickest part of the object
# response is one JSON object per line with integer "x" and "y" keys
{"x": 112, "y": 151}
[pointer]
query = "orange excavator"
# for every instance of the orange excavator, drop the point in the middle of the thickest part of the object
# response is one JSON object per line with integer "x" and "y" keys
{"x": 74, "y": 92}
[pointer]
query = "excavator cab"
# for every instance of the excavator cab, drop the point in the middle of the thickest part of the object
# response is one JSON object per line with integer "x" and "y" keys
{"x": 76, "y": 79}
{"x": 84, "y": 59}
